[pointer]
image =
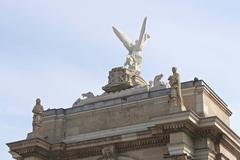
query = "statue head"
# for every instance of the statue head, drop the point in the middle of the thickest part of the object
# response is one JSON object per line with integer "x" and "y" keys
{"x": 38, "y": 108}
{"x": 174, "y": 69}
{"x": 38, "y": 101}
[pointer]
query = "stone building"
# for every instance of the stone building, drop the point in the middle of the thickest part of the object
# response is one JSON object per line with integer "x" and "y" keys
{"x": 136, "y": 123}
{"x": 133, "y": 120}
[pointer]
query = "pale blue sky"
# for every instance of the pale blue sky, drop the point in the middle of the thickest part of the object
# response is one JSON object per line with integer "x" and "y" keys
{"x": 58, "y": 49}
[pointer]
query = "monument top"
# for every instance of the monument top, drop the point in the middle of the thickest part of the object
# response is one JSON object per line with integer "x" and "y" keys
{"x": 134, "y": 58}
{"x": 128, "y": 76}
{"x": 134, "y": 120}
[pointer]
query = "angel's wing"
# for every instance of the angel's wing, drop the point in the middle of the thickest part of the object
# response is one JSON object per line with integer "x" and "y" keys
{"x": 143, "y": 36}
{"x": 127, "y": 42}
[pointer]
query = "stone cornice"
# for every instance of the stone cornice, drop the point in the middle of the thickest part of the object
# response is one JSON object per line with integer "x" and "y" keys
{"x": 75, "y": 151}
{"x": 29, "y": 143}
{"x": 189, "y": 121}
{"x": 220, "y": 132}
{"x": 177, "y": 117}
{"x": 149, "y": 137}
{"x": 31, "y": 147}
{"x": 40, "y": 148}
{"x": 154, "y": 133}
{"x": 222, "y": 128}
{"x": 125, "y": 96}
{"x": 217, "y": 99}
{"x": 230, "y": 145}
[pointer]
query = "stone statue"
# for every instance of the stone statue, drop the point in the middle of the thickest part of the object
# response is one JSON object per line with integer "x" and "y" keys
{"x": 195, "y": 80}
{"x": 88, "y": 95}
{"x": 85, "y": 96}
{"x": 130, "y": 62}
{"x": 175, "y": 83}
{"x": 109, "y": 153}
{"x": 37, "y": 115}
{"x": 158, "y": 83}
{"x": 76, "y": 102}
{"x": 134, "y": 58}
{"x": 157, "y": 79}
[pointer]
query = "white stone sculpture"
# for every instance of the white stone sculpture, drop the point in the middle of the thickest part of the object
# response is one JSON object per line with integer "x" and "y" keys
{"x": 134, "y": 58}
{"x": 76, "y": 102}
{"x": 85, "y": 97}
{"x": 88, "y": 95}
{"x": 158, "y": 83}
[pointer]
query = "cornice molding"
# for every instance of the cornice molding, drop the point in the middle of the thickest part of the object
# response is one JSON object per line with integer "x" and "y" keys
{"x": 157, "y": 134}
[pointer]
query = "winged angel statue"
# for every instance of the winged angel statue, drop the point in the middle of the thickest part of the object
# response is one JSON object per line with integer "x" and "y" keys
{"x": 134, "y": 58}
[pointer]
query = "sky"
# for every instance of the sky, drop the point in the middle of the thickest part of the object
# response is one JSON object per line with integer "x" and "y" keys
{"x": 56, "y": 50}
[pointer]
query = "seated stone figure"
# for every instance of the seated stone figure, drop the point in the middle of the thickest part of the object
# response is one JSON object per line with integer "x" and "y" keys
{"x": 157, "y": 83}
{"x": 88, "y": 95}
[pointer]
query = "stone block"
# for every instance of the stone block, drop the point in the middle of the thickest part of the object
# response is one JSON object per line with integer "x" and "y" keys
{"x": 121, "y": 78}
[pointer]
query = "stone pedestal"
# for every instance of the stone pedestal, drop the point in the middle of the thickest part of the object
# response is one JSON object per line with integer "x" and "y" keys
{"x": 175, "y": 104}
{"x": 121, "y": 78}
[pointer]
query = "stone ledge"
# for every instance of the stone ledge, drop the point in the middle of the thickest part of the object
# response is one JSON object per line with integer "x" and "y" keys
{"x": 129, "y": 95}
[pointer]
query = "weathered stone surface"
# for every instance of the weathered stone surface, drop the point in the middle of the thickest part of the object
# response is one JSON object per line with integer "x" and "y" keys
{"x": 37, "y": 116}
{"x": 181, "y": 144}
{"x": 121, "y": 78}
{"x": 140, "y": 124}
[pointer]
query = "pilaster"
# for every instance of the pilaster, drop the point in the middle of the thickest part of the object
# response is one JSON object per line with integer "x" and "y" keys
{"x": 180, "y": 144}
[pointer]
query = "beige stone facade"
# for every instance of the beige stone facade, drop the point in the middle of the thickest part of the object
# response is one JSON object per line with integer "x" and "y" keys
{"x": 136, "y": 124}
